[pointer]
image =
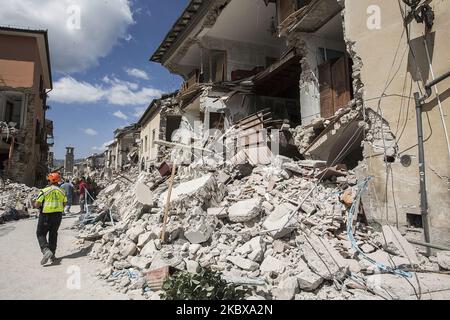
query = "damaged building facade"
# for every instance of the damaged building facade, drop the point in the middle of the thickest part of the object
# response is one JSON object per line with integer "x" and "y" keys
{"x": 123, "y": 151}
{"x": 340, "y": 76}
{"x": 25, "y": 80}
{"x": 158, "y": 122}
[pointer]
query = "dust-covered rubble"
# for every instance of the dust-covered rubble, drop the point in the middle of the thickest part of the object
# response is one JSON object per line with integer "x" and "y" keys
{"x": 281, "y": 232}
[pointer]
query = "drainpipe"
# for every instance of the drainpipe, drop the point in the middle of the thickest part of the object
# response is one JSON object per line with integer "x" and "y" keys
{"x": 423, "y": 186}
{"x": 420, "y": 101}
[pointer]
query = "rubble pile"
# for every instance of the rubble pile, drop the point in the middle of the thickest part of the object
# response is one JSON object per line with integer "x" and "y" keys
{"x": 16, "y": 202}
{"x": 277, "y": 230}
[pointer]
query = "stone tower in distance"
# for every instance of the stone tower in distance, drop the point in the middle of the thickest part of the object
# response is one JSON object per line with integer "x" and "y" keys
{"x": 70, "y": 161}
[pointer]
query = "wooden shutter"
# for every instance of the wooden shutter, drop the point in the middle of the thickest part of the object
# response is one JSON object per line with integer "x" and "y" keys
{"x": 341, "y": 83}
{"x": 326, "y": 90}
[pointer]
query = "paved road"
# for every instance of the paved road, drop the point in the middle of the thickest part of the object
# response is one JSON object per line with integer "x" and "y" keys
{"x": 22, "y": 276}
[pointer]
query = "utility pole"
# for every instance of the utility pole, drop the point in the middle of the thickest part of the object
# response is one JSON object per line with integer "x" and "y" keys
{"x": 420, "y": 101}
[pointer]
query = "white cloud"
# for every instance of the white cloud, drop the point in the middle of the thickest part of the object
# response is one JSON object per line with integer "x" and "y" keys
{"x": 101, "y": 25}
{"x": 137, "y": 73}
{"x": 90, "y": 132}
{"x": 119, "y": 114}
{"x": 103, "y": 147}
{"x": 112, "y": 91}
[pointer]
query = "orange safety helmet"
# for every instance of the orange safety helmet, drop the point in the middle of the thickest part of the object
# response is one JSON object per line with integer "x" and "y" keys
{"x": 54, "y": 178}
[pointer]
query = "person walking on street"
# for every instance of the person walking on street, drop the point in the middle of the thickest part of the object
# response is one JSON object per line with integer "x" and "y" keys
{"x": 51, "y": 201}
{"x": 68, "y": 188}
{"x": 82, "y": 187}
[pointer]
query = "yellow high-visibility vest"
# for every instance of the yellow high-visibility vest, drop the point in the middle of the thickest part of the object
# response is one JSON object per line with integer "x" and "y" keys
{"x": 53, "y": 198}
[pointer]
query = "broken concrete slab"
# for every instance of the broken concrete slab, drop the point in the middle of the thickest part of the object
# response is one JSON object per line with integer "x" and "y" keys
{"x": 192, "y": 266}
{"x": 271, "y": 264}
{"x": 309, "y": 281}
{"x": 278, "y": 222}
{"x": 254, "y": 248}
{"x": 220, "y": 212}
{"x": 367, "y": 248}
{"x": 443, "y": 259}
{"x": 128, "y": 249}
{"x": 143, "y": 194}
{"x": 287, "y": 289}
{"x": 321, "y": 257}
{"x": 149, "y": 249}
{"x": 134, "y": 233}
{"x": 242, "y": 263}
{"x": 187, "y": 189}
{"x": 430, "y": 286}
{"x": 199, "y": 234}
{"x": 144, "y": 238}
{"x": 141, "y": 263}
{"x": 387, "y": 259}
{"x": 394, "y": 242}
{"x": 245, "y": 210}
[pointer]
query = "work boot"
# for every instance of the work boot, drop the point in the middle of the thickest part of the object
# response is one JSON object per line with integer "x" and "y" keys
{"x": 53, "y": 259}
{"x": 47, "y": 255}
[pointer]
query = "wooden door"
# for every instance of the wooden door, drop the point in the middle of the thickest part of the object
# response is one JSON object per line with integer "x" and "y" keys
{"x": 341, "y": 83}
{"x": 326, "y": 90}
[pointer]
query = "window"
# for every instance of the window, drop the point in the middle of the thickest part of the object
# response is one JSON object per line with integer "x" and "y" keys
{"x": 173, "y": 124}
{"x": 146, "y": 143}
{"x": 218, "y": 66}
{"x": 11, "y": 109}
{"x": 153, "y": 136}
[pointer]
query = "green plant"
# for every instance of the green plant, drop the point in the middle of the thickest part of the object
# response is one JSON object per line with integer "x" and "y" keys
{"x": 205, "y": 285}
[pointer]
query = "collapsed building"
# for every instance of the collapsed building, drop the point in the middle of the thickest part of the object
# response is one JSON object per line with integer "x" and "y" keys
{"x": 123, "y": 151}
{"x": 307, "y": 60}
{"x": 158, "y": 122}
{"x": 332, "y": 218}
{"x": 25, "y": 78}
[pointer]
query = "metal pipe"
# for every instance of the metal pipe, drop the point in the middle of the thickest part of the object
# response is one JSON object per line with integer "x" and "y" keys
{"x": 422, "y": 175}
{"x": 441, "y": 111}
{"x": 436, "y": 81}
{"x": 429, "y": 245}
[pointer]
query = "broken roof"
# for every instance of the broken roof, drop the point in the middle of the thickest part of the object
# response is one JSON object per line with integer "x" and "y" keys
{"x": 118, "y": 133}
{"x": 44, "y": 51}
{"x": 180, "y": 28}
{"x": 153, "y": 106}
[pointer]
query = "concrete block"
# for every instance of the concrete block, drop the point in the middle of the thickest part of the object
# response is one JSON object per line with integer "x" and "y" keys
{"x": 278, "y": 221}
{"x": 192, "y": 266}
{"x": 287, "y": 289}
{"x": 271, "y": 264}
{"x": 309, "y": 281}
{"x": 254, "y": 248}
{"x": 443, "y": 259}
{"x": 128, "y": 249}
{"x": 244, "y": 211}
{"x": 134, "y": 233}
{"x": 242, "y": 263}
{"x": 141, "y": 263}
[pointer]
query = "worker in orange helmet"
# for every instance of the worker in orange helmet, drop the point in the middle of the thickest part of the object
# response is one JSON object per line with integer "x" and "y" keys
{"x": 52, "y": 201}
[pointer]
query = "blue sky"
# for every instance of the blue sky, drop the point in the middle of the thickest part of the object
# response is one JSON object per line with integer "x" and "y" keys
{"x": 102, "y": 75}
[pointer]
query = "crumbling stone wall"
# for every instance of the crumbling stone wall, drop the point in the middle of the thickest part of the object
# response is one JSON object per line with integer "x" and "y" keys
{"x": 169, "y": 107}
{"x": 25, "y": 155}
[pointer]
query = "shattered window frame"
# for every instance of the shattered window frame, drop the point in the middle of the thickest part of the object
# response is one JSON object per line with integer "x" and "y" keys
{"x": 4, "y": 97}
